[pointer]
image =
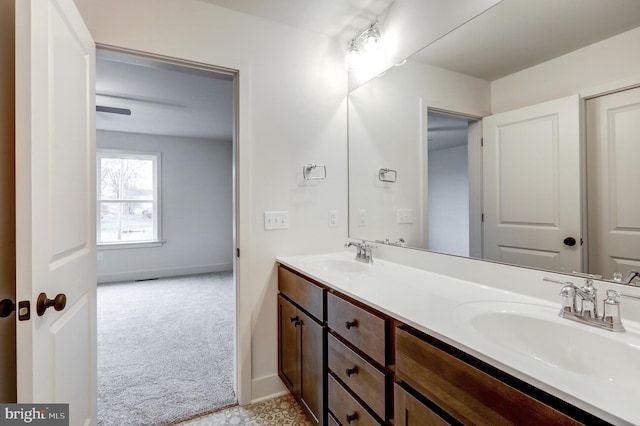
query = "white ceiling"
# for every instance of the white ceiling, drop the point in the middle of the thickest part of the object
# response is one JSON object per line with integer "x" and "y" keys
{"x": 329, "y": 17}
{"x": 513, "y": 35}
{"x": 446, "y": 131}
{"x": 517, "y": 34}
{"x": 164, "y": 99}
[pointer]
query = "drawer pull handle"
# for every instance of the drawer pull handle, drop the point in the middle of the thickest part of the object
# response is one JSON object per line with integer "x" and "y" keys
{"x": 294, "y": 319}
{"x": 350, "y": 324}
{"x": 352, "y": 417}
{"x": 351, "y": 371}
{"x": 297, "y": 323}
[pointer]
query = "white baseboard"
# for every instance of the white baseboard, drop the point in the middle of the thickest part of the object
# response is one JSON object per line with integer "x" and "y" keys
{"x": 267, "y": 387}
{"x": 163, "y": 272}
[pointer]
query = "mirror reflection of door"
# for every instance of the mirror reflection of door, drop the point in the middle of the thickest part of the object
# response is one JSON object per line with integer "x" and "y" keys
{"x": 448, "y": 183}
{"x": 613, "y": 159}
{"x": 531, "y": 186}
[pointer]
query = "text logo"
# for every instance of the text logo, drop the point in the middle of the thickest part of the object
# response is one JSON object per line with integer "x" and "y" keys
{"x": 34, "y": 414}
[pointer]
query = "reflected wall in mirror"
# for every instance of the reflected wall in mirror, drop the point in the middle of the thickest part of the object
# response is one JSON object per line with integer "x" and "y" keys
{"x": 523, "y": 85}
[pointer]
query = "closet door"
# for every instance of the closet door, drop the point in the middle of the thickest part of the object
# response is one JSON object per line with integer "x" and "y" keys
{"x": 531, "y": 183}
{"x": 613, "y": 159}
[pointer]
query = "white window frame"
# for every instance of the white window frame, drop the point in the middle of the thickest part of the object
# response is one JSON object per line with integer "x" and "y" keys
{"x": 155, "y": 157}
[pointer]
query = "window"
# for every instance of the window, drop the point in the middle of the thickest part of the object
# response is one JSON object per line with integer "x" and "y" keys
{"x": 128, "y": 192}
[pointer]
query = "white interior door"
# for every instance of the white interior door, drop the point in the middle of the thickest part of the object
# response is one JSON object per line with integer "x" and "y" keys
{"x": 531, "y": 186}
{"x": 613, "y": 156}
{"x": 55, "y": 204}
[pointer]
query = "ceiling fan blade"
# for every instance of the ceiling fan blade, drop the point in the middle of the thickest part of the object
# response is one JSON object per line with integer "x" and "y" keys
{"x": 112, "y": 110}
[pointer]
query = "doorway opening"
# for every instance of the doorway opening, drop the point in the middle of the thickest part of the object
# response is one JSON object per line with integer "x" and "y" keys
{"x": 451, "y": 183}
{"x": 166, "y": 197}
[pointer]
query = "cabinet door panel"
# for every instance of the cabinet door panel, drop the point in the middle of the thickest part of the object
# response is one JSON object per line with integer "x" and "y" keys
{"x": 288, "y": 345}
{"x": 311, "y": 366}
{"x": 411, "y": 412}
{"x": 466, "y": 393}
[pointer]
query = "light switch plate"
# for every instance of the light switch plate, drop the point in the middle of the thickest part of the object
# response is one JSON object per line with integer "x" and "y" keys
{"x": 276, "y": 220}
{"x": 333, "y": 218}
{"x": 405, "y": 215}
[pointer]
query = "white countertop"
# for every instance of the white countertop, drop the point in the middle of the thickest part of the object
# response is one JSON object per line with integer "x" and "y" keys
{"x": 439, "y": 306}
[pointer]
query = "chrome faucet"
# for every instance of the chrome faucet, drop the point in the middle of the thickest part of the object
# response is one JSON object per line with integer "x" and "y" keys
{"x": 631, "y": 275}
{"x": 588, "y": 297}
{"x": 363, "y": 254}
{"x": 580, "y": 304}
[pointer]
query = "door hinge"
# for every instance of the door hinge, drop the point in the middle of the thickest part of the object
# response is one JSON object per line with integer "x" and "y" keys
{"x": 481, "y": 142}
{"x": 237, "y": 252}
{"x": 24, "y": 310}
{"x": 482, "y": 217}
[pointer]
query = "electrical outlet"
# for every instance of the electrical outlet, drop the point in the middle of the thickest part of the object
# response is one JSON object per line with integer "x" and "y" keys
{"x": 99, "y": 256}
{"x": 333, "y": 218}
{"x": 362, "y": 218}
{"x": 405, "y": 215}
{"x": 276, "y": 220}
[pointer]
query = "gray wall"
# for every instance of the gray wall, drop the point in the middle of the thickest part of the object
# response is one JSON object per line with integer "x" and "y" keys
{"x": 449, "y": 200}
{"x": 196, "y": 184}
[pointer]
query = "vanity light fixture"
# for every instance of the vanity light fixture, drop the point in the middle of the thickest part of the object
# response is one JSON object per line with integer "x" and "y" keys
{"x": 362, "y": 46}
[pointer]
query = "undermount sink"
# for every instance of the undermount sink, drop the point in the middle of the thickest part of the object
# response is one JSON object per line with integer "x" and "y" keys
{"x": 536, "y": 331}
{"x": 336, "y": 265}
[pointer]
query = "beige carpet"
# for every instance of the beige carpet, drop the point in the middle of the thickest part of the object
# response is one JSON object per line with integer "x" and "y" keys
{"x": 165, "y": 349}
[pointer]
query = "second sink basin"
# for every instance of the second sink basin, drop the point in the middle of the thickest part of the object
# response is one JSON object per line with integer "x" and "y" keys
{"x": 537, "y": 332}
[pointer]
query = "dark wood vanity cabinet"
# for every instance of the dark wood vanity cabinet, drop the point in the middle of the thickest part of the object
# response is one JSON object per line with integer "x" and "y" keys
{"x": 348, "y": 365}
{"x": 301, "y": 342}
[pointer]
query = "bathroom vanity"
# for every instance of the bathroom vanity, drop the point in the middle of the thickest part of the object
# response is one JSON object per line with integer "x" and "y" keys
{"x": 381, "y": 343}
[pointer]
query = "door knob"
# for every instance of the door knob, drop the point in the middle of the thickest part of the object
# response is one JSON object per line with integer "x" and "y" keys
{"x": 6, "y": 307}
{"x": 58, "y": 303}
{"x": 569, "y": 241}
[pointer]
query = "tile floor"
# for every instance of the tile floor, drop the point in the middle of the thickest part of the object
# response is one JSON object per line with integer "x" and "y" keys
{"x": 279, "y": 411}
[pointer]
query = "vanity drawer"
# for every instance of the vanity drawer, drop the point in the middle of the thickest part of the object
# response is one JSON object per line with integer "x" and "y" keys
{"x": 465, "y": 392}
{"x": 366, "y": 381}
{"x": 332, "y": 420}
{"x": 303, "y": 292}
{"x": 363, "y": 329}
{"x": 345, "y": 408}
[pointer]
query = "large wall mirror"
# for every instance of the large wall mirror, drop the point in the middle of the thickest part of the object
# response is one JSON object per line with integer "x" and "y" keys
{"x": 455, "y": 151}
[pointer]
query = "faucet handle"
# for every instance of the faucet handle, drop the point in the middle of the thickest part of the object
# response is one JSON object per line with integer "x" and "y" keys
{"x": 612, "y": 296}
{"x": 568, "y": 294}
{"x": 611, "y": 311}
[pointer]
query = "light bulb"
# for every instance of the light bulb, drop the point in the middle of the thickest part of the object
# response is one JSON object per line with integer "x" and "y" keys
{"x": 352, "y": 57}
{"x": 371, "y": 39}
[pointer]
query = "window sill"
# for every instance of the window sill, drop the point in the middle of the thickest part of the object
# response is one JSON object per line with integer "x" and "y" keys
{"x": 136, "y": 245}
